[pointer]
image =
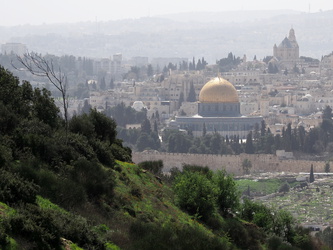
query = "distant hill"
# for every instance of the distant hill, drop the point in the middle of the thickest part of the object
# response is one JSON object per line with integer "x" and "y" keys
{"x": 228, "y": 16}
{"x": 212, "y": 35}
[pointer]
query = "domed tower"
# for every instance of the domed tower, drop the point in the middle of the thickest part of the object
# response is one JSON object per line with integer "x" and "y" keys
{"x": 292, "y": 36}
{"x": 288, "y": 50}
{"x": 218, "y": 98}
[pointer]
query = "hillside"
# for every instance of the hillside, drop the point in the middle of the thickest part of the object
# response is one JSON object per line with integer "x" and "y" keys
{"x": 142, "y": 215}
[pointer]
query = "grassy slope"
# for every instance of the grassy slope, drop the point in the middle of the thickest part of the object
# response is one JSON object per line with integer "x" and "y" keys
{"x": 139, "y": 199}
{"x": 140, "y": 196}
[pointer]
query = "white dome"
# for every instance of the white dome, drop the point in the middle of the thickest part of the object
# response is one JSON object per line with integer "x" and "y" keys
{"x": 138, "y": 105}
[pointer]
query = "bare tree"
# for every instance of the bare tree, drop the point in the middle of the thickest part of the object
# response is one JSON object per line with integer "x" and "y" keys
{"x": 39, "y": 66}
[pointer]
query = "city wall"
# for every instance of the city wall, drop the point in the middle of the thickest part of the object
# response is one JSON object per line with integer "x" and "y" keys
{"x": 231, "y": 163}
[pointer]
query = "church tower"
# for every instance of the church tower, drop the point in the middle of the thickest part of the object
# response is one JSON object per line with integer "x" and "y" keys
{"x": 288, "y": 51}
{"x": 292, "y": 36}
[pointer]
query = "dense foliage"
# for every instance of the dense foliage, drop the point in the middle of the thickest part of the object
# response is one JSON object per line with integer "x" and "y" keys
{"x": 213, "y": 199}
{"x": 228, "y": 63}
{"x": 38, "y": 156}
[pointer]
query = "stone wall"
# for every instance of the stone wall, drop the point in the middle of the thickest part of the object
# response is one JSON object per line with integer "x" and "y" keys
{"x": 231, "y": 163}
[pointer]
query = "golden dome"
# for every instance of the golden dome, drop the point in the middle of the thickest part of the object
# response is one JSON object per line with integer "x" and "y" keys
{"x": 218, "y": 90}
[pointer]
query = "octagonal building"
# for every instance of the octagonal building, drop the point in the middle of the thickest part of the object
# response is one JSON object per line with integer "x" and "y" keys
{"x": 218, "y": 111}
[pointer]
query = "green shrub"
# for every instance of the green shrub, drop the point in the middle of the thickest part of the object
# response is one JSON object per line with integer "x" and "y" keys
{"x": 195, "y": 194}
{"x": 103, "y": 152}
{"x": 8, "y": 119}
{"x": 200, "y": 169}
{"x": 155, "y": 167}
{"x": 69, "y": 194}
{"x": 237, "y": 232}
{"x": 82, "y": 125}
{"x": 36, "y": 226}
{"x": 95, "y": 180}
{"x": 227, "y": 193}
{"x": 59, "y": 189}
{"x": 44, "y": 227}
{"x": 81, "y": 145}
{"x": 120, "y": 152}
{"x": 78, "y": 230}
{"x": 14, "y": 188}
{"x": 279, "y": 223}
{"x": 4, "y": 241}
{"x": 244, "y": 235}
{"x": 5, "y": 155}
{"x": 274, "y": 242}
{"x": 285, "y": 187}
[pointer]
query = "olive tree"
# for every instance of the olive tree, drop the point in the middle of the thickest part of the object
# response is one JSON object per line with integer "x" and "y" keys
{"x": 227, "y": 193}
{"x": 195, "y": 194}
{"x": 199, "y": 191}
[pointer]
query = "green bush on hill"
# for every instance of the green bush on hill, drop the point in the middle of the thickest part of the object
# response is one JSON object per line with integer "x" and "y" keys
{"x": 14, "y": 189}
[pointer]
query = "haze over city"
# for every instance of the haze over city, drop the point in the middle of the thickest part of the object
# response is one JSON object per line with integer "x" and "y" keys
{"x": 166, "y": 124}
{"x": 37, "y": 12}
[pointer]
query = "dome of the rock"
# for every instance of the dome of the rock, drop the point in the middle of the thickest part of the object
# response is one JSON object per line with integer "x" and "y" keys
{"x": 218, "y": 90}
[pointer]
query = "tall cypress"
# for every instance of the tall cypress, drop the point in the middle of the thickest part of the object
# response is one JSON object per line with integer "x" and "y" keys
{"x": 311, "y": 174}
{"x": 204, "y": 131}
{"x": 249, "y": 148}
{"x": 191, "y": 95}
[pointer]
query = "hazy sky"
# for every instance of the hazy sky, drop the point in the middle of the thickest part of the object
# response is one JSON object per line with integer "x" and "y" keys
{"x": 17, "y": 12}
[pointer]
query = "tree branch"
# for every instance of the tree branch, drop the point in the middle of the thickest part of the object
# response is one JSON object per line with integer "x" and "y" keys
{"x": 39, "y": 66}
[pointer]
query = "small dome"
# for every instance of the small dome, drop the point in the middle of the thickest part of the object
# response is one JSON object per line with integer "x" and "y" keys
{"x": 218, "y": 90}
{"x": 138, "y": 105}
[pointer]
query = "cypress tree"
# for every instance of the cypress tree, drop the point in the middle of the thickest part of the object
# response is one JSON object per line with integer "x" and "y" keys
{"x": 155, "y": 127}
{"x": 191, "y": 95}
{"x": 311, "y": 174}
{"x": 204, "y": 131}
{"x": 102, "y": 83}
{"x": 181, "y": 99}
{"x": 249, "y": 148}
{"x": 111, "y": 83}
{"x": 327, "y": 167}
